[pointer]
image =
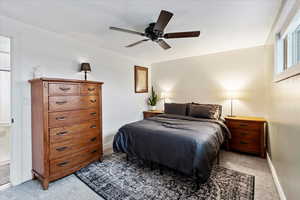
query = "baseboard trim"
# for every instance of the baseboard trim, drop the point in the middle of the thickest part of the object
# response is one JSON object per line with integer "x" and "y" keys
{"x": 5, "y": 162}
{"x": 275, "y": 179}
{"x": 4, "y": 187}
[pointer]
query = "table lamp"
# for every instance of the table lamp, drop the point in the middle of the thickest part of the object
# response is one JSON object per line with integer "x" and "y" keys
{"x": 85, "y": 67}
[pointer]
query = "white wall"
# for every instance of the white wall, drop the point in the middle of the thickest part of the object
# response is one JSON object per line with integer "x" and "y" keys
{"x": 283, "y": 111}
{"x": 58, "y": 56}
{"x": 208, "y": 78}
{"x": 284, "y": 129}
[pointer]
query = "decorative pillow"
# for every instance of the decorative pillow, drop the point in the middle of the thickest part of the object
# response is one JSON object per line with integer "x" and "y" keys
{"x": 217, "y": 106}
{"x": 210, "y": 111}
{"x": 175, "y": 108}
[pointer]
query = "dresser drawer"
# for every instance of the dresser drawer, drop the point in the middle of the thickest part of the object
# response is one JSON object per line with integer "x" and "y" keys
{"x": 68, "y": 132}
{"x": 64, "y": 89}
{"x": 64, "y": 103}
{"x": 60, "y": 119}
{"x": 86, "y": 140}
{"x": 244, "y": 125}
{"x": 74, "y": 145}
{"x": 61, "y": 164}
{"x": 68, "y": 162}
{"x": 61, "y": 149}
{"x": 89, "y": 101}
{"x": 89, "y": 89}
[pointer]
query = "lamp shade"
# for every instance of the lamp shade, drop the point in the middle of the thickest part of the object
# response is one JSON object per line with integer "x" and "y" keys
{"x": 233, "y": 95}
{"x": 85, "y": 67}
{"x": 165, "y": 95}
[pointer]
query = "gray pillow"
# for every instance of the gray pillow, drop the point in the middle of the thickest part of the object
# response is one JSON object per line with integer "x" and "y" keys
{"x": 175, "y": 108}
{"x": 210, "y": 111}
{"x": 216, "y": 106}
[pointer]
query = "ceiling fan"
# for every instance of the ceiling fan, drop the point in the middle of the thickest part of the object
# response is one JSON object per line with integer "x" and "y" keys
{"x": 155, "y": 31}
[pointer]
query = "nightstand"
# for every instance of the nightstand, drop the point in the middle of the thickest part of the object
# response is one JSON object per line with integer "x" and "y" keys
{"x": 152, "y": 113}
{"x": 248, "y": 134}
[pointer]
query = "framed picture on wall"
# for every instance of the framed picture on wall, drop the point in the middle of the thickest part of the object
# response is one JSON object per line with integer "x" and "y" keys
{"x": 140, "y": 79}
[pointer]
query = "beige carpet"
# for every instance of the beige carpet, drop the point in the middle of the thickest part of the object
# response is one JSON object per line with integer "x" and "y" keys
{"x": 72, "y": 188}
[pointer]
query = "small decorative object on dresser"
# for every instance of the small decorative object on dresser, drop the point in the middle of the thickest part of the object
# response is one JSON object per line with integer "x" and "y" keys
{"x": 248, "y": 134}
{"x": 66, "y": 126}
{"x": 85, "y": 67}
{"x": 152, "y": 113}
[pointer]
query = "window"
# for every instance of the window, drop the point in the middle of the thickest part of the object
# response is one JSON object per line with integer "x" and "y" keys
{"x": 287, "y": 52}
{"x": 291, "y": 45}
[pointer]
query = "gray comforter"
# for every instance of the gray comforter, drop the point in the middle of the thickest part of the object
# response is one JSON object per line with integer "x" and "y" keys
{"x": 189, "y": 145}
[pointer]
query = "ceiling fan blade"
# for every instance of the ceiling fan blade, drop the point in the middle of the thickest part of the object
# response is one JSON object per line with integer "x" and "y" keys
{"x": 163, "y": 44}
{"x": 163, "y": 20}
{"x": 182, "y": 34}
{"x": 136, "y": 43}
{"x": 126, "y": 30}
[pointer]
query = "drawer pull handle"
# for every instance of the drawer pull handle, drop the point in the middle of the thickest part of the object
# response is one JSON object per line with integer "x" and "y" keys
{"x": 244, "y": 134}
{"x": 62, "y": 164}
{"x": 91, "y": 89}
{"x": 64, "y": 89}
{"x": 243, "y": 124}
{"x": 93, "y": 139}
{"x": 93, "y": 126}
{"x": 61, "y": 148}
{"x": 60, "y": 118}
{"x": 62, "y": 133}
{"x": 95, "y": 151}
{"x": 61, "y": 102}
{"x": 93, "y": 113}
{"x": 93, "y": 100}
{"x": 241, "y": 142}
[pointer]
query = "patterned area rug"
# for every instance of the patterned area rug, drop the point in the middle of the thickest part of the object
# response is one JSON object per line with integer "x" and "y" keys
{"x": 118, "y": 179}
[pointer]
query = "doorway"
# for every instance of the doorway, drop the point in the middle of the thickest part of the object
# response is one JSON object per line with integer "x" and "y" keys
{"x": 5, "y": 106}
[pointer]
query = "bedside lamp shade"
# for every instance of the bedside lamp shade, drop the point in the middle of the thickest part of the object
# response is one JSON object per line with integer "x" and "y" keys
{"x": 85, "y": 67}
{"x": 233, "y": 95}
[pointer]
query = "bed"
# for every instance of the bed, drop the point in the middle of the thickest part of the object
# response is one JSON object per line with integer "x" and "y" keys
{"x": 183, "y": 143}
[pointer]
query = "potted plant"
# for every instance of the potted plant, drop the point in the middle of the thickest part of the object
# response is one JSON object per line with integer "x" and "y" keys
{"x": 153, "y": 99}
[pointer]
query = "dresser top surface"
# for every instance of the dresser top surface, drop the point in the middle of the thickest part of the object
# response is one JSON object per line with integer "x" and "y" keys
{"x": 63, "y": 80}
{"x": 245, "y": 118}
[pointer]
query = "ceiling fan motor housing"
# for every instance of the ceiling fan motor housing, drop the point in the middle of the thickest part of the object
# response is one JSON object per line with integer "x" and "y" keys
{"x": 154, "y": 35}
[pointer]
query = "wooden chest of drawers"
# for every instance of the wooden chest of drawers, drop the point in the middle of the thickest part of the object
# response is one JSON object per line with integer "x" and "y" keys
{"x": 66, "y": 126}
{"x": 247, "y": 134}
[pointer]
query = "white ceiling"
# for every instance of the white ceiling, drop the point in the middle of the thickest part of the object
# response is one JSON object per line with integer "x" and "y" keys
{"x": 224, "y": 24}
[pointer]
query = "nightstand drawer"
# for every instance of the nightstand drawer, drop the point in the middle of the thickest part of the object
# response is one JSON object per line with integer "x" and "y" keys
{"x": 244, "y": 125}
{"x": 246, "y": 134}
{"x": 249, "y": 146}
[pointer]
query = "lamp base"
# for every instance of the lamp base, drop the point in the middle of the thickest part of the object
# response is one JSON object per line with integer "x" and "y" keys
{"x": 85, "y": 75}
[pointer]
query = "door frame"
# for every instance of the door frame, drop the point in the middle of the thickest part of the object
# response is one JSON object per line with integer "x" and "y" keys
{"x": 16, "y": 139}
